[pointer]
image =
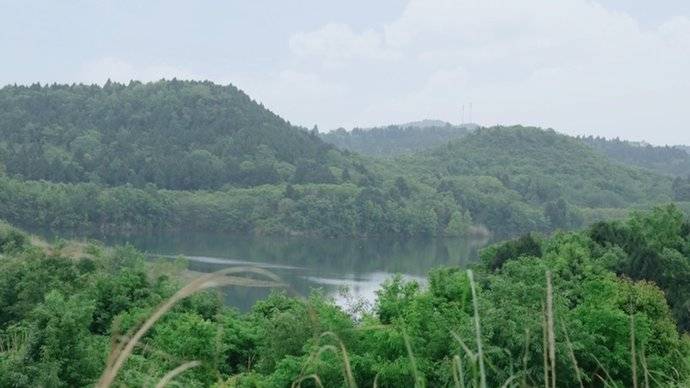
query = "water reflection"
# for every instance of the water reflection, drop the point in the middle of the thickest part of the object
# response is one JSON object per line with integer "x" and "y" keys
{"x": 304, "y": 263}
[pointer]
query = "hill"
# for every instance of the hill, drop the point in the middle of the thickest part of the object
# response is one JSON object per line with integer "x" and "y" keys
{"x": 173, "y": 134}
{"x": 195, "y": 155}
{"x": 674, "y": 161}
{"x": 518, "y": 178}
{"x": 396, "y": 139}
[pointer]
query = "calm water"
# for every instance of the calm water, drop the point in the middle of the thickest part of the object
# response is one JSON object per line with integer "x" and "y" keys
{"x": 332, "y": 265}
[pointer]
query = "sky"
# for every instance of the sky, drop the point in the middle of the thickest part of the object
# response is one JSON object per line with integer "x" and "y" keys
{"x": 614, "y": 68}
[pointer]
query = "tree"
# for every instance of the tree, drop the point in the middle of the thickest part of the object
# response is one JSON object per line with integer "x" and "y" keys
{"x": 681, "y": 189}
{"x": 557, "y": 214}
{"x": 459, "y": 223}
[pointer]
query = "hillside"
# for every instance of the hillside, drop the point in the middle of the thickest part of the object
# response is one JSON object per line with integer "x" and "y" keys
{"x": 674, "y": 161}
{"x": 198, "y": 156}
{"x": 514, "y": 178}
{"x": 396, "y": 139}
{"x": 173, "y": 134}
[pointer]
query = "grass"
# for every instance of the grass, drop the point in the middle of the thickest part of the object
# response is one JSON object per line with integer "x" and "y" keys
{"x": 478, "y": 331}
{"x": 329, "y": 341}
{"x": 550, "y": 331}
{"x": 175, "y": 372}
{"x": 121, "y": 351}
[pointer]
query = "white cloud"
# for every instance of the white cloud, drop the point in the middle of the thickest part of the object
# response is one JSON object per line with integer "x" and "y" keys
{"x": 570, "y": 64}
{"x": 334, "y": 44}
{"x": 294, "y": 94}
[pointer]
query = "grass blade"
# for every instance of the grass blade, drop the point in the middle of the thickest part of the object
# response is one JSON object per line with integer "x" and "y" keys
{"x": 175, "y": 372}
{"x": 550, "y": 326}
{"x": 572, "y": 355}
{"x": 478, "y": 332}
{"x": 216, "y": 279}
{"x": 633, "y": 356}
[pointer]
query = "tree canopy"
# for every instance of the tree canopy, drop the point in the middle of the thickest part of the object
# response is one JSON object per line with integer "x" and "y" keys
{"x": 174, "y": 134}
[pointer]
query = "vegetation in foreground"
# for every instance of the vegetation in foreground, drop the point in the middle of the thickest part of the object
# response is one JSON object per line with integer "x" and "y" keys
{"x": 615, "y": 312}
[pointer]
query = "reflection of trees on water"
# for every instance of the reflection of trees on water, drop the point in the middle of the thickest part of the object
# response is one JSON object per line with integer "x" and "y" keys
{"x": 413, "y": 256}
{"x": 305, "y": 263}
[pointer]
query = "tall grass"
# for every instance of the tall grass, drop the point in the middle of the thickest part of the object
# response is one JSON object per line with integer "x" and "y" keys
{"x": 121, "y": 351}
{"x": 571, "y": 353}
{"x": 633, "y": 356}
{"x": 478, "y": 331}
{"x": 550, "y": 328}
{"x": 476, "y": 372}
{"x": 418, "y": 380}
{"x": 175, "y": 372}
{"x": 340, "y": 349}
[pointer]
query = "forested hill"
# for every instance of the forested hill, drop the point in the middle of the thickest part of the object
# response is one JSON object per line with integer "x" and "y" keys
{"x": 396, "y": 139}
{"x": 667, "y": 160}
{"x": 539, "y": 166}
{"x": 174, "y": 134}
{"x": 195, "y": 155}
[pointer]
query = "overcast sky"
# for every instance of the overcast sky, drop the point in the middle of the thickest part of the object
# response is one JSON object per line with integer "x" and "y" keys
{"x": 606, "y": 67}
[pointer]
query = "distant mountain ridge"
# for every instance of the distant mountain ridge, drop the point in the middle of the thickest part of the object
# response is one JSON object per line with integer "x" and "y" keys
{"x": 668, "y": 160}
{"x": 545, "y": 164}
{"x": 397, "y": 139}
{"x": 421, "y": 135}
{"x": 190, "y": 155}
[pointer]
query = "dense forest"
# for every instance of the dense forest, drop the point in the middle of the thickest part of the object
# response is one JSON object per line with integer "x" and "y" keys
{"x": 606, "y": 306}
{"x": 530, "y": 179}
{"x": 182, "y": 155}
{"x": 395, "y": 140}
{"x": 174, "y": 134}
{"x": 674, "y": 161}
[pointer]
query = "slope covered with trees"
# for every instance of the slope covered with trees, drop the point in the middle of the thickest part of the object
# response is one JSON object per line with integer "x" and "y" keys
{"x": 173, "y": 134}
{"x": 517, "y": 178}
{"x": 674, "y": 161}
{"x": 616, "y": 315}
{"x": 395, "y": 139}
{"x": 195, "y": 155}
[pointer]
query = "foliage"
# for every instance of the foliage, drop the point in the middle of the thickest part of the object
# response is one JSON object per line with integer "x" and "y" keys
{"x": 58, "y": 314}
{"x": 395, "y": 140}
{"x": 173, "y": 134}
{"x": 674, "y": 161}
{"x": 195, "y": 155}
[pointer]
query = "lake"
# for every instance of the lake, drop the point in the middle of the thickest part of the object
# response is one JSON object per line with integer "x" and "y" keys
{"x": 346, "y": 269}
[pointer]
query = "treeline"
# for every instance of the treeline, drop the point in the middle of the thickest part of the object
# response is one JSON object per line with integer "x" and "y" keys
{"x": 180, "y": 154}
{"x": 325, "y": 210}
{"x": 667, "y": 160}
{"x": 541, "y": 166}
{"x": 395, "y": 140}
{"x": 618, "y": 306}
{"x": 174, "y": 134}
{"x": 506, "y": 180}
{"x": 681, "y": 188}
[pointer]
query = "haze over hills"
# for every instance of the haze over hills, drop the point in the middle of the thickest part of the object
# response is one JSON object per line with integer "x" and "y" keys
{"x": 421, "y": 135}
{"x": 668, "y": 160}
{"x": 511, "y": 175}
{"x": 397, "y": 139}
